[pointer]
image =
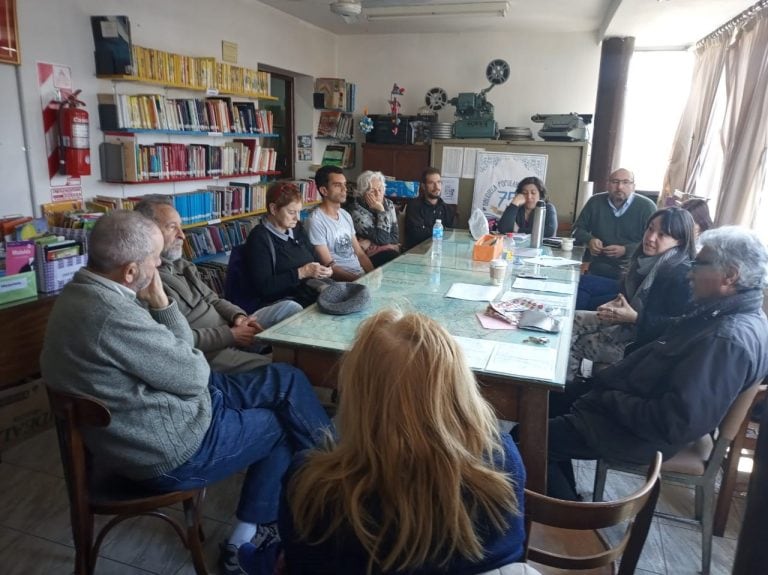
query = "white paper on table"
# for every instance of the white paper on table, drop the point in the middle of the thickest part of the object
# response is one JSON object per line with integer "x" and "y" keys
{"x": 452, "y": 162}
{"x": 544, "y": 285}
{"x": 551, "y": 261}
{"x": 450, "y": 190}
{"x": 473, "y": 292}
{"x": 476, "y": 351}
{"x": 470, "y": 159}
{"x": 524, "y": 360}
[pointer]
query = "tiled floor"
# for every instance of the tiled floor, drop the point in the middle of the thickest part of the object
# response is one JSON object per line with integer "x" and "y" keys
{"x": 35, "y": 536}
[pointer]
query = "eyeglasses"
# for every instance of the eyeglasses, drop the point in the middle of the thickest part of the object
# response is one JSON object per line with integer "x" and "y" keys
{"x": 625, "y": 182}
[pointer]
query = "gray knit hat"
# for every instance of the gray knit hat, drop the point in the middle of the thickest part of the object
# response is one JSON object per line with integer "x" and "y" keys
{"x": 342, "y": 298}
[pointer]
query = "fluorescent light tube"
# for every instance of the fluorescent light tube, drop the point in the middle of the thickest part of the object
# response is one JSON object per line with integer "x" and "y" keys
{"x": 498, "y": 9}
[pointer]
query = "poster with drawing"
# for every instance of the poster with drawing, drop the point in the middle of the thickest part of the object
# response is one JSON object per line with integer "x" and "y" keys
{"x": 497, "y": 175}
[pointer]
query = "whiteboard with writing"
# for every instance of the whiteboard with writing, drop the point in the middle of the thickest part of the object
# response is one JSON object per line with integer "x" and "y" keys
{"x": 497, "y": 175}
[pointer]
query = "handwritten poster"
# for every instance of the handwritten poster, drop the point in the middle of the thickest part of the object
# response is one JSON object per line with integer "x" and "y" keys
{"x": 497, "y": 175}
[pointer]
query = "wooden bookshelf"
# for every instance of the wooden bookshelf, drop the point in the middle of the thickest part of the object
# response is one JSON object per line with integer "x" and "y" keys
{"x": 191, "y": 87}
{"x": 224, "y": 219}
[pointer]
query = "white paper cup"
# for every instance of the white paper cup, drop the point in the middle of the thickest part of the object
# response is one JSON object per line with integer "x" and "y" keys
{"x": 567, "y": 244}
{"x": 498, "y": 271}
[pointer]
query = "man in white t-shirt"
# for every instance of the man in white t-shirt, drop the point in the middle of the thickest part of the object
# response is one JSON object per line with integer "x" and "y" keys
{"x": 331, "y": 230}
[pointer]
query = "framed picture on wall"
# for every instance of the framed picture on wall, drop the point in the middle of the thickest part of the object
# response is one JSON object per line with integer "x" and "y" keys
{"x": 9, "y": 33}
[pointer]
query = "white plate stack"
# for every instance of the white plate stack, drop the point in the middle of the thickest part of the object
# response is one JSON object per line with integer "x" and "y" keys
{"x": 515, "y": 133}
{"x": 442, "y": 130}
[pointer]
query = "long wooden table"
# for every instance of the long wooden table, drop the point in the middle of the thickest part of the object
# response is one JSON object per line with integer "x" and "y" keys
{"x": 516, "y": 376}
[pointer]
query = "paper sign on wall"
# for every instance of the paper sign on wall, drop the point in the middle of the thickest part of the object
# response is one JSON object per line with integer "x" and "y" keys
{"x": 450, "y": 190}
{"x": 497, "y": 175}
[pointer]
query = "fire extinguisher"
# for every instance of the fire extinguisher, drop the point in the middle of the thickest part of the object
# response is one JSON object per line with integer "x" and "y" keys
{"x": 74, "y": 143}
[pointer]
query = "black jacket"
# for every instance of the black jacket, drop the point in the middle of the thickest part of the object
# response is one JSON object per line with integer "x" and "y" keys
{"x": 420, "y": 216}
{"x": 678, "y": 387}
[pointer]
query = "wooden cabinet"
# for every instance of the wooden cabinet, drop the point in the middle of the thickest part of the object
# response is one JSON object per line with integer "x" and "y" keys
{"x": 399, "y": 161}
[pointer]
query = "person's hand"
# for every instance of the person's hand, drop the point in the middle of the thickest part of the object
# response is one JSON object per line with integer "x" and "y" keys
{"x": 243, "y": 334}
{"x": 614, "y": 251}
{"x": 518, "y": 200}
{"x": 365, "y": 244}
{"x": 595, "y": 246}
{"x": 240, "y": 320}
{"x": 315, "y": 270}
{"x": 254, "y": 324}
{"x": 373, "y": 202}
{"x": 617, "y": 311}
{"x": 153, "y": 295}
{"x": 393, "y": 247}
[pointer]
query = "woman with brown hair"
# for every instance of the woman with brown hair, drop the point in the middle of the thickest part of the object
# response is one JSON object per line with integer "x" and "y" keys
{"x": 278, "y": 258}
{"x": 420, "y": 479}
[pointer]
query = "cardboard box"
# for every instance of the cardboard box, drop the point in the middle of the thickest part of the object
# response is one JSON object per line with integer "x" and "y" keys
{"x": 24, "y": 412}
{"x": 488, "y": 248}
{"x": 17, "y": 286}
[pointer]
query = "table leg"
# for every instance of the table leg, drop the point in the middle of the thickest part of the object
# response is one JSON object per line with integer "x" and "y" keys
{"x": 533, "y": 420}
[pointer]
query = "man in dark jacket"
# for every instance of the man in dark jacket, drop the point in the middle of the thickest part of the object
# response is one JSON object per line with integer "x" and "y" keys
{"x": 422, "y": 212}
{"x": 675, "y": 389}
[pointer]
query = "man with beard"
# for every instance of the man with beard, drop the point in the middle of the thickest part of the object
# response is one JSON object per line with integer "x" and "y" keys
{"x": 675, "y": 389}
{"x": 222, "y": 330}
{"x": 422, "y": 212}
{"x": 115, "y": 335}
{"x": 332, "y": 231}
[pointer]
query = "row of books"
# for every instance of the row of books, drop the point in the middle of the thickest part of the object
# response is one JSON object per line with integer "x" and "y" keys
{"x": 216, "y": 202}
{"x": 156, "y": 112}
{"x": 123, "y": 159}
{"x": 341, "y": 155}
{"x": 214, "y": 274}
{"x": 214, "y": 239}
{"x": 335, "y": 124}
{"x": 198, "y": 72}
{"x": 335, "y": 93}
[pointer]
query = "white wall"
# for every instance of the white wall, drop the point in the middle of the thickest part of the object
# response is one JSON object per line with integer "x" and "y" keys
{"x": 550, "y": 73}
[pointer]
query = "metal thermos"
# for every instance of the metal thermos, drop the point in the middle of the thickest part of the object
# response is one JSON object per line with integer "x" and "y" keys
{"x": 537, "y": 230}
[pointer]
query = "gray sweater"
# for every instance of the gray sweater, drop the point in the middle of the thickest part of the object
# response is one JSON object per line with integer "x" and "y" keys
{"x": 101, "y": 342}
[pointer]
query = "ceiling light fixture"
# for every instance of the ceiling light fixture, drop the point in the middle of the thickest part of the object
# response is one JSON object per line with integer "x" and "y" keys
{"x": 497, "y": 9}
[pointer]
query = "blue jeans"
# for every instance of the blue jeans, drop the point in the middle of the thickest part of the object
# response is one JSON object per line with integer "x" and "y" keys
{"x": 594, "y": 291}
{"x": 276, "y": 312}
{"x": 258, "y": 420}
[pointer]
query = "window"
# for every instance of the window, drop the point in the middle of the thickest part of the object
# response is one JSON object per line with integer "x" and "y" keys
{"x": 657, "y": 89}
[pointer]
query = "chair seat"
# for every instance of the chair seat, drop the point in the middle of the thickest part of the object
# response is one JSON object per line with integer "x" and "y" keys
{"x": 111, "y": 492}
{"x": 568, "y": 542}
{"x": 692, "y": 459}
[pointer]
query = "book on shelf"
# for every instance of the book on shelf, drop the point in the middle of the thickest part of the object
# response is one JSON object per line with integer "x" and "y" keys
{"x": 341, "y": 155}
{"x": 112, "y": 44}
{"x": 19, "y": 256}
{"x": 333, "y": 91}
{"x": 328, "y": 124}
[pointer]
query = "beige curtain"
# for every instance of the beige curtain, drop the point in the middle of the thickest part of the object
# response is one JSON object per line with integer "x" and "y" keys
{"x": 695, "y": 124}
{"x": 746, "y": 123}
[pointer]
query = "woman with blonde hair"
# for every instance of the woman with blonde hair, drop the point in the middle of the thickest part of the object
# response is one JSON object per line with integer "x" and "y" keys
{"x": 420, "y": 480}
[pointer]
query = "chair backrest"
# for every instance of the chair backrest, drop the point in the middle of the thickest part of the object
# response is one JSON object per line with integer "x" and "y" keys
{"x": 637, "y": 509}
{"x": 738, "y": 413}
{"x": 72, "y": 413}
{"x": 235, "y": 283}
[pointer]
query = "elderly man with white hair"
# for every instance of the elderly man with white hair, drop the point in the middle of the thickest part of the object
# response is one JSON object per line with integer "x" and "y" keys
{"x": 677, "y": 388}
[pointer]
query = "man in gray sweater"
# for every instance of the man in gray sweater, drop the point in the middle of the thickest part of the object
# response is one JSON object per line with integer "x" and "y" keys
{"x": 115, "y": 335}
{"x": 221, "y": 330}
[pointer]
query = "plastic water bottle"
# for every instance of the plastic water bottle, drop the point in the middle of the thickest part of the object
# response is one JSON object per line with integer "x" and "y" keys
{"x": 509, "y": 247}
{"x": 537, "y": 230}
{"x": 437, "y": 237}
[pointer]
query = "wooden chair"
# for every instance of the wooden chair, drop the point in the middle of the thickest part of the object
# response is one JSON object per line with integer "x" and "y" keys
{"x": 746, "y": 439}
{"x": 696, "y": 465}
{"x": 637, "y": 509}
{"x": 91, "y": 495}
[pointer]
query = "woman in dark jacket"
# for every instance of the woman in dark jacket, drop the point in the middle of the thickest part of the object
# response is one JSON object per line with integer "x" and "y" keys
{"x": 655, "y": 289}
{"x": 278, "y": 257}
{"x": 518, "y": 217}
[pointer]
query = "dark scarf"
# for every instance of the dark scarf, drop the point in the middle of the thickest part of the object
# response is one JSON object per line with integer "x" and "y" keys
{"x": 746, "y": 300}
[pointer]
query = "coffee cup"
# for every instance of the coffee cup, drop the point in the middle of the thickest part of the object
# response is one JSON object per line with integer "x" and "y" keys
{"x": 567, "y": 244}
{"x": 498, "y": 271}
